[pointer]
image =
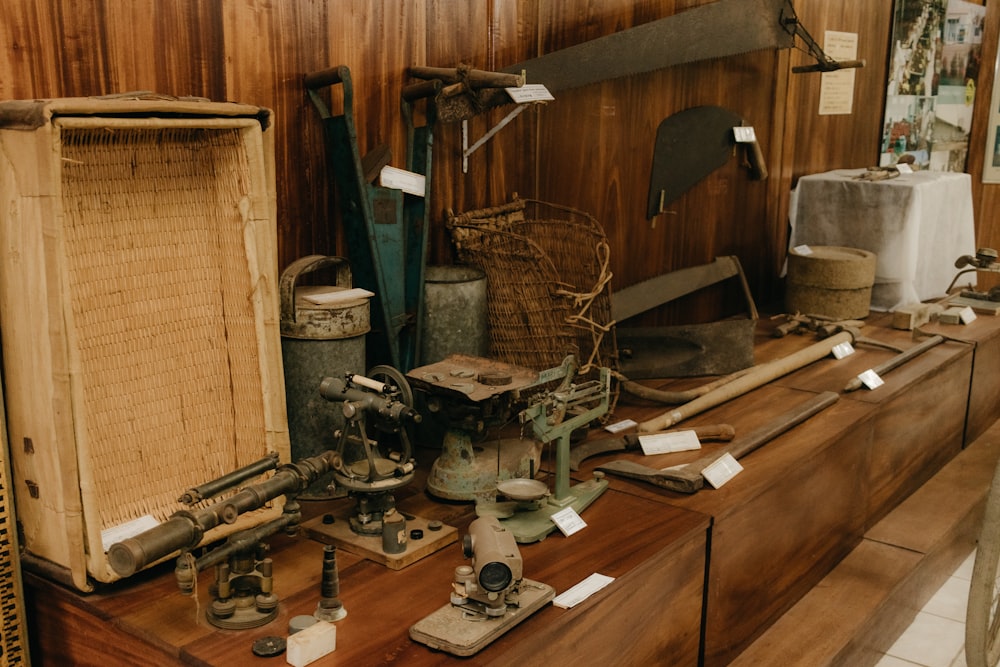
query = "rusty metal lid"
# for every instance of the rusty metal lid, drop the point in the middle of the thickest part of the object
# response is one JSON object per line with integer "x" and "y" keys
{"x": 322, "y": 312}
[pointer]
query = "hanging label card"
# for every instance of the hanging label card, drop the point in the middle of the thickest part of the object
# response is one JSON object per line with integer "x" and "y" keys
{"x": 968, "y": 316}
{"x": 400, "y": 179}
{"x": 530, "y": 92}
{"x": 744, "y": 134}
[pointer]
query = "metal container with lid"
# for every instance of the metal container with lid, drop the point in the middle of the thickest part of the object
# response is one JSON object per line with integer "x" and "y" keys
{"x": 323, "y": 331}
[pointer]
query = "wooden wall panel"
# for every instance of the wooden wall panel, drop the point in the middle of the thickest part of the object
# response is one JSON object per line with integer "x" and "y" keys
{"x": 591, "y": 148}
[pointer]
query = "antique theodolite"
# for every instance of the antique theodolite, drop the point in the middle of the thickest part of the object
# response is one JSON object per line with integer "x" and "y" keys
{"x": 488, "y": 597}
{"x": 375, "y": 454}
{"x": 242, "y": 589}
{"x": 372, "y": 466}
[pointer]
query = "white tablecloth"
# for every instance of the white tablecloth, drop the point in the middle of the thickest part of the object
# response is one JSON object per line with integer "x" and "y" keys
{"x": 917, "y": 224}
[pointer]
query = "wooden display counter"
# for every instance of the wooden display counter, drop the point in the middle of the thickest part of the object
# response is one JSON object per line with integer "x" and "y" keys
{"x": 698, "y": 577}
{"x": 655, "y": 553}
{"x": 805, "y": 499}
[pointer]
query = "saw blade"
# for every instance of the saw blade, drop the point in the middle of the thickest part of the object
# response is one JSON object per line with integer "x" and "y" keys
{"x": 723, "y": 28}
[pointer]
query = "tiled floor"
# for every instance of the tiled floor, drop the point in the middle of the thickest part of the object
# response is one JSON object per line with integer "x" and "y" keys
{"x": 936, "y": 637}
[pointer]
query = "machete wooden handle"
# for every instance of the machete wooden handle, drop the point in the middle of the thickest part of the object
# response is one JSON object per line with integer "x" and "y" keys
{"x": 755, "y": 156}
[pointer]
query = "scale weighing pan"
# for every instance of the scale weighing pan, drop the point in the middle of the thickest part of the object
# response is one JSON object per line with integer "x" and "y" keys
{"x": 523, "y": 489}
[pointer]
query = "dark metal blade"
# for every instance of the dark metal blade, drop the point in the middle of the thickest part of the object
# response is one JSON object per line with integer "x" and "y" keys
{"x": 690, "y": 145}
{"x": 723, "y": 28}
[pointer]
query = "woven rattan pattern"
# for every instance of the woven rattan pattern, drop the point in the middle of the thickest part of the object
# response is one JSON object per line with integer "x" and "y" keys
{"x": 166, "y": 352}
{"x": 547, "y": 282}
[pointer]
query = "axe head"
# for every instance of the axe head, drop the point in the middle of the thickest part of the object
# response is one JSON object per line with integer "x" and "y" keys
{"x": 690, "y": 145}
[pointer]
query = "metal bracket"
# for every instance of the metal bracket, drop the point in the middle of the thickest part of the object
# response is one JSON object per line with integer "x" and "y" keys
{"x": 469, "y": 150}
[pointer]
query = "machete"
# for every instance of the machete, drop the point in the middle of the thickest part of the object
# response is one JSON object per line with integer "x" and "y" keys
{"x": 629, "y": 442}
{"x": 690, "y": 145}
{"x": 689, "y": 479}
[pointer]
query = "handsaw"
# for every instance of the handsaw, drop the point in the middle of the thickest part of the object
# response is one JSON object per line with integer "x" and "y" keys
{"x": 690, "y": 145}
{"x": 722, "y": 28}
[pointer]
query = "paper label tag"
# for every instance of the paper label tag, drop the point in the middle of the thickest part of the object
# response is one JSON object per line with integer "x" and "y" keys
{"x": 530, "y": 92}
{"x": 871, "y": 379}
{"x": 338, "y": 295}
{"x": 968, "y": 316}
{"x": 721, "y": 470}
{"x": 581, "y": 591}
{"x": 842, "y": 350}
{"x": 668, "y": 443}
{"x": 803, "y": 249}
{"x": 400, "y": 179}
{"x": 619, "y": 426}
{"x": 568, "y": 521}
{"x": 904, "y": 168}
{"x": 744, "y": 134}
{"x": 123, "y": 531}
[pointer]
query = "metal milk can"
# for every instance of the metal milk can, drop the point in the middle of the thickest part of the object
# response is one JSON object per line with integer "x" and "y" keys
{"x": 322, "y": 335}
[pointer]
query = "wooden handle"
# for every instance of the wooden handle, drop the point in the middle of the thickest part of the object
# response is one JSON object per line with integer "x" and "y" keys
{"x": 759, "y": 376}
{"x": 326, "y": 77}
{"x": 755, "y": 156}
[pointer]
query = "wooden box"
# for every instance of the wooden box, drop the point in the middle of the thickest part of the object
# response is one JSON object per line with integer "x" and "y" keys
{"x": 138, "y": 314}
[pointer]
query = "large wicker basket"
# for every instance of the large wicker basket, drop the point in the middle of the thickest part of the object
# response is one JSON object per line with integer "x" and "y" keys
{"x": 139, "y": 313}
{"x": 548, "y": 282}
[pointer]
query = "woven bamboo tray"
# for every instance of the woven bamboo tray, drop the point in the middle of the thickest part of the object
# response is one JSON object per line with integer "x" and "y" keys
{"x": 139, "y": 313}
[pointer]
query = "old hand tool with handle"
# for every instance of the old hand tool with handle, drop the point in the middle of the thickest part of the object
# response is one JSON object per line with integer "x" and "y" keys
{"x": 689, "y": 479}
{"x": 759, "y": 376}
{"x": 630, "y": 441}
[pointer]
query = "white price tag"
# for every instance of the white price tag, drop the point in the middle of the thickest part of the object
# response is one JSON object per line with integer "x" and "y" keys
{"x": 619, "y": 426}
{"x": 904, "y": 168}
{"x": 871, "y": 379}
{"x": 968, "y": 316}
{"x": 744, "y": 134}
{"x": 668, "y": 443}
{"x": 123, "y": 531}
{"x": 721, "y": 470}
{"x": 568, "y": 521}
{"x": 581, "y": 591}
{"x": 842, "y": 350}
{"x": 803, "y": 249}
{"x": 530, "y": 92}
{"x": 400, "y": 179}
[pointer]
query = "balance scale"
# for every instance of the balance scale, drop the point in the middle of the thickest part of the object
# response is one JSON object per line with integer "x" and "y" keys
{"x": 472, "y": 396}
{"x": 471, "y": 392}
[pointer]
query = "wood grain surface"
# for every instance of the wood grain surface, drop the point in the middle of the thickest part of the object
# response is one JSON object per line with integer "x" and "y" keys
{"x": 591, "y": 148}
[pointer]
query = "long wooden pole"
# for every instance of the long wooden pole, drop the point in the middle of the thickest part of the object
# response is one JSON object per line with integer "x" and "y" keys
{"x": 759, "y": 376}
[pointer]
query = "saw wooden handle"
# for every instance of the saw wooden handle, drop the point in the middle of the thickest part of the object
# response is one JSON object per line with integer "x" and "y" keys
{"x": 898, "y": 360}
{"x": 759, "y": 376}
